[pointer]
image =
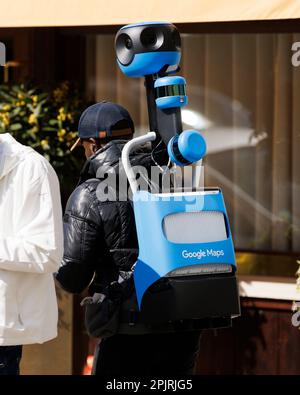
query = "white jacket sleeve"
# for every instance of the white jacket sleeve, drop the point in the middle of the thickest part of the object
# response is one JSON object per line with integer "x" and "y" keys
{"x": 37, "y": 245}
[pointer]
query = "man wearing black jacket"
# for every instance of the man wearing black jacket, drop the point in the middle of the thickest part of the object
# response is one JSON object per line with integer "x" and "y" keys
{"x": 100, "y": 241}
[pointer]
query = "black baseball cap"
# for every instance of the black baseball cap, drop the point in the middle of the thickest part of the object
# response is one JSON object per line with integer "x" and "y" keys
{"x": 101, "y": 121}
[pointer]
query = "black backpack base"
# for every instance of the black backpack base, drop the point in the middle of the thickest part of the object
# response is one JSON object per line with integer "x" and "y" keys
{"x": 185, "y": 303}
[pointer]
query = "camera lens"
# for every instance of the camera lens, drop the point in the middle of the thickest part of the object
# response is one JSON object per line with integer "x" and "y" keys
{"x": 128, "y": 43}
{"x": 124, "y": 48}
{"x": 152, "y": 38}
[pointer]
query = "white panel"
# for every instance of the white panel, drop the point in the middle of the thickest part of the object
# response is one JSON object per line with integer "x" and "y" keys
{"x": 196, "y": 227}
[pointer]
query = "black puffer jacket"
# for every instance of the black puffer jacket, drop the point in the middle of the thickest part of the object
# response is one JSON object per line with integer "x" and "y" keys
{"x": 99, "y": 237}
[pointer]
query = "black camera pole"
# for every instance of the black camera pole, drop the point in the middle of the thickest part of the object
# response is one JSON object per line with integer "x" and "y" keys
{"x": 166, "y": 123}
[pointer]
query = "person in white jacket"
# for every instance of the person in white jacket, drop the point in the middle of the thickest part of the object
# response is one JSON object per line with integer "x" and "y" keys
{"x": 31, "y": 249}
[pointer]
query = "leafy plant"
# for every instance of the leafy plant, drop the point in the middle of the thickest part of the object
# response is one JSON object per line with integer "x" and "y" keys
{"x": 46, "y": 121}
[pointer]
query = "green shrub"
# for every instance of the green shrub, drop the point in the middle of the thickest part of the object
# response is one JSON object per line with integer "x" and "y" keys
{"x": 46, "y": 121}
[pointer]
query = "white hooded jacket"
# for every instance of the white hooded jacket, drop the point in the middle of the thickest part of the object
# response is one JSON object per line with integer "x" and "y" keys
{"x": 31, "y": 244}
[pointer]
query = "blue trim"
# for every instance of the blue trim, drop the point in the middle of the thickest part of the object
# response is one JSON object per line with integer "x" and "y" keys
{"x": 149, "y": 63}
{"x": 157, "y": 255}
{"x": 191, "y": 145}
{"x": 145, "y": 23}
{"x": 171, "y": 101}
{"x": 186, "y": 148}
{"x": 141, "y": 271}
{"x": 165, "y": 81}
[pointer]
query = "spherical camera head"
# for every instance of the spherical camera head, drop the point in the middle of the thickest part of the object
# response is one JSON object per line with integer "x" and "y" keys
{"x": 146, "y": 48}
